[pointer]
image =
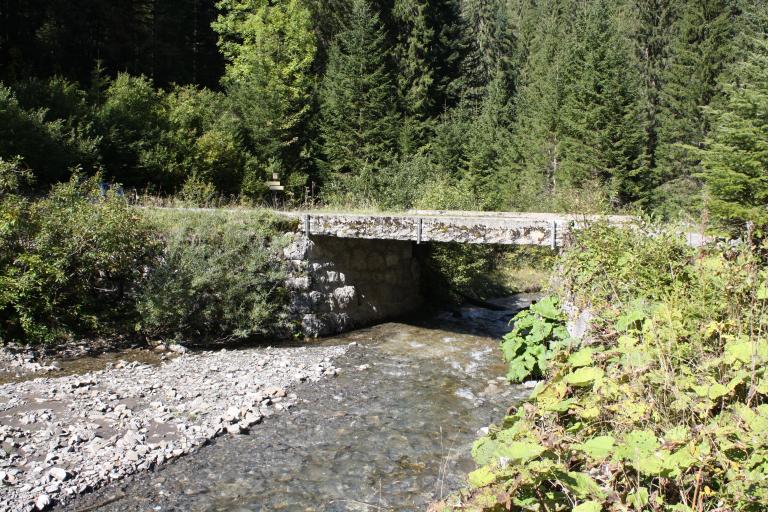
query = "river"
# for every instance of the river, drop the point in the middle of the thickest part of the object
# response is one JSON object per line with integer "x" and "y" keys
{"x": 392, "y": 431}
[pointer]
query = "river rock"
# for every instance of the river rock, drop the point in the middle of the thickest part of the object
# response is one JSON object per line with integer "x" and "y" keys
{"x": 58, "y": 474}
{"x": 42, "y": 502}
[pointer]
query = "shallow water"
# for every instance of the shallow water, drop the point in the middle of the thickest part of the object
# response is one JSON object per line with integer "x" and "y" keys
{"x": 393, "y": 436}
{"x": 87, "y": 364}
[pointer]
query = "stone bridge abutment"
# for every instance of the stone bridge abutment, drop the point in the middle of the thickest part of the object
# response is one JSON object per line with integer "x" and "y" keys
{"x": 339, "y": 284}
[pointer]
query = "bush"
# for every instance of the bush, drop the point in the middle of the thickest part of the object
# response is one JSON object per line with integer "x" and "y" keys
{"x": 72, "y": 262}
{"x": 218, "y": 277}
{"x": 663, "y": 407}
{"x": 49, "y": 144}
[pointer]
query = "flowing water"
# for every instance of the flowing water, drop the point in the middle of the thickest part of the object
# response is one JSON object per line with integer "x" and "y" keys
{"x": 392, "y": 432}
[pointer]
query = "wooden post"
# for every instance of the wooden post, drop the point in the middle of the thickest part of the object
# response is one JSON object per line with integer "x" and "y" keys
{"x": 306, "y": 225}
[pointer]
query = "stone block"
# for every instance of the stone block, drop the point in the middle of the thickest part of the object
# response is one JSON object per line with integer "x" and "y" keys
{"x": 359, "y": 260}
{"x": 297, "y": 265}
{"x": 392, "y": 259}
{"x": 298, "y": 249}
{"x": 298, "y": 283}
{"x": 344, "y": 296}
{"x": 317, "y": 325}
{"x": 331, "y": 277}
{"x": 315, "y": 298}
{"x": 375, "y": 261}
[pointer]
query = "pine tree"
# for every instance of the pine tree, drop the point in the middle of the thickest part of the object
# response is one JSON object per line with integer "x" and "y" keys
{"x": 601, "y": 115}
{"x": 269, "y": 48}
{"x": 358, "y": 114}
{"x": 701, "y": 48}
{"x": 735, "y": 155}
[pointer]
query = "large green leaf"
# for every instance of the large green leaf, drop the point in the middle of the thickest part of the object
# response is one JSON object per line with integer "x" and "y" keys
{"x": 598, "y": 447}
{"x": 520, "y": 451}
{"x": 581, "y": 358}
{"x": 481, "y": 477}
{"x": 581, "y": 484}
{"x": 588, "y": 506}
{"x": 637, "y": 444}
{"x": 584, "y": 376}
{"x": 548, "y": 307}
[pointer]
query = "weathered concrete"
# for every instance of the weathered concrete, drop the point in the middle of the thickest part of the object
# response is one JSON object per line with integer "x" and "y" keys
{"x": 449, "y": 226}
{"x": 340, "y": 284}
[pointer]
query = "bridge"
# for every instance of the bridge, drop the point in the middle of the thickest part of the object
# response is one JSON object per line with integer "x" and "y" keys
{"x": 421, "y": 226}
{"x": 354, "y": 269}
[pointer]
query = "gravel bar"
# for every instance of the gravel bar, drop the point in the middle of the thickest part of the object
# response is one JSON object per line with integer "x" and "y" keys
{"x": 61, "y": 437}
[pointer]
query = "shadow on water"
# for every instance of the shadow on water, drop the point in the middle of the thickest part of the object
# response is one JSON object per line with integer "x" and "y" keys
{"x": 392, "y": 432}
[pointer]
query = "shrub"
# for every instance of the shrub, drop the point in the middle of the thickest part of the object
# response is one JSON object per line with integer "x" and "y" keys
{"x": 664, "y": 407}
{"x": 49, "y": 144}
{"x": 72, "y": 263}
{"x": 218, "y": 277}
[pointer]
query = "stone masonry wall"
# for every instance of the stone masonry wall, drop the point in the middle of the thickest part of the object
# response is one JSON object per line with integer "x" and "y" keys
{"x": 339, "y": 284}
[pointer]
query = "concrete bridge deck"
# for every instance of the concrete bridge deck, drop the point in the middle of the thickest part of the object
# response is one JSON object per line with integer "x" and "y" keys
{"x": 503, "y": 228}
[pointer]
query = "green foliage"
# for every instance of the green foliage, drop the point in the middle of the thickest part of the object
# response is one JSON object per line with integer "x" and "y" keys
{"x": 537, "y": 333}
{"x": 357, "y": 112}
{"x": 269, "y": 48}
{"x": 665, "y": 405}
{"x": 614, "y": 267}
{"x": 735, "y": 155}
{"x": 454, "y": 271}
{"x": 219, "y": 276}
{"x": 71, "y": 262}
{"x": 49, "y": 144}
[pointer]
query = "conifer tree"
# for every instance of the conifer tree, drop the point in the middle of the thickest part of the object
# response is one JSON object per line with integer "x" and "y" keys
{"x": 601, "y": 115}
{"x": 359, "y": 119}
{"x": 428, "y": 54}
{"x": 538, "y": 132}
{"x": 488, "y": 153}
{"x": 701, "y": 48}
{"x": 651, "y": 29}
{"x": 735, "y": 155}
{"x": 491, "y": 45}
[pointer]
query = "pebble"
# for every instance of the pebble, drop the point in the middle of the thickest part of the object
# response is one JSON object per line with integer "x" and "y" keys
{"x": 42, "y": 502}
{"x": 82, "y": 431}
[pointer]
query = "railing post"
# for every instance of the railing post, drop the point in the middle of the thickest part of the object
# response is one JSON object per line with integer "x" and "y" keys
{"x": 419, "y": 230}
{"x": 553, "y": 242}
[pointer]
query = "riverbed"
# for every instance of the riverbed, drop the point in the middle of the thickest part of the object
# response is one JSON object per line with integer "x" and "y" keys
{"x": 391, "y": 431}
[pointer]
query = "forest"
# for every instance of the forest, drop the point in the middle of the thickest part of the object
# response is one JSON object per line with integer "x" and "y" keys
{"x": 658, "y": 106}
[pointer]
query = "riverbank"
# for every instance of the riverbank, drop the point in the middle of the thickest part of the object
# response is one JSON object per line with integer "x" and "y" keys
{"x": 62, "y": 437}
{"x": 659, "y": 401}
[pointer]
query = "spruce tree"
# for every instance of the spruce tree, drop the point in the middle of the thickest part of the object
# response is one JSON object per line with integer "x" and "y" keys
{"x": 601, "y": 114}
{"x": 359, "y": 119}
{"x": 488, "y": 153}
{"x": 701, "y": 48}
{"x": 491, "y": 45}
{"x": 735, "y": 155}
{"x": 428, "y": 54}
{"x": 538, "y": 132}
{"x": 651, "y": 22}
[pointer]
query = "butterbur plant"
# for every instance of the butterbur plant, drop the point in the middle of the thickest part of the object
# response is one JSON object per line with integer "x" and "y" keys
{"x": 536, "y": 334}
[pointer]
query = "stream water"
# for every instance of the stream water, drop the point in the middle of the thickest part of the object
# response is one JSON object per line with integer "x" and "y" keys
{"x": 392, "y": 431}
